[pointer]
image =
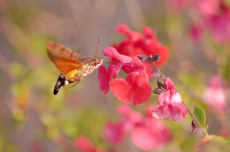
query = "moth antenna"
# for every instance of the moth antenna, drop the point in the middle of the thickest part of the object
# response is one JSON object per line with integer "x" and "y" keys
{"x": 98, "y": 42}
{"x": 74, "y": 84}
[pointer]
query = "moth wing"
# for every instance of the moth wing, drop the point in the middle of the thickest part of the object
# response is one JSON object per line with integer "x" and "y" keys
{"x": 56, "y": 50}
{"x": 63, "y": 58}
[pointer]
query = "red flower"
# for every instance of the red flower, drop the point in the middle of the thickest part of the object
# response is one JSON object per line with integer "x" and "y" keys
{"x": 171, "y": 105}
{"x": 135, "y": 88}
{"x": 147, "y": 133}
{"x": 105, "y": 77}
{"x": 136, "y": 44}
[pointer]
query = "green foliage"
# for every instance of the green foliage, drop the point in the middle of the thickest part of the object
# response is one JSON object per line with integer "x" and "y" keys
{"x": 200, "y": 115}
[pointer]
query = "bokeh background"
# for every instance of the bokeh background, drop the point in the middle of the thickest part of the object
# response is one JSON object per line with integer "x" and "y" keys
{"x": 32, "y": 119}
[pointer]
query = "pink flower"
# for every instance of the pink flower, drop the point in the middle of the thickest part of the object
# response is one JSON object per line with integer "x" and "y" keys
{"x": 215, "y": 94}
{"x": 105, "y": 77}
{"x": 207, "y": 8}
{"x": 196, "y": 32}
{"x": 171, "y": 105}
{"x": 114, "y": 132}
{"x": 147, "y": 133}
{"x": 135, "y": 88}
{"x": 136, "y": 44}
{"x": 130, "y": 89}
{"x": 220, "y": 27}
{"x": 83, "y": 144}
{"x": 214, "y": 16}
{"x": 150, "y": 134}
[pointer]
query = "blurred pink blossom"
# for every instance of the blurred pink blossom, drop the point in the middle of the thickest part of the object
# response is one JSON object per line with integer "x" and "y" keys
{"x": 196, "y": 32}
{"x": 214, "y": 16}
{"x": 114, "y": 132}
{"x": 147, "y": 133}
{"x": 171, "y": 105}
{"x": 207, "y": 8}
{"x": 150, "y": 134}
{"x": 215, "y": 94}
{"x": 83, "y": 144}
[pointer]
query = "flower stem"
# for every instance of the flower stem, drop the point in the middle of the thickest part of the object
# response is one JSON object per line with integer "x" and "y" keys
{"x": 205, "y": 133}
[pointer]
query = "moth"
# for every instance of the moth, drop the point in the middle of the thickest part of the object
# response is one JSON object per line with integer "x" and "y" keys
{"x": 152, "y": 59}
{"x": 73, "y": 67}
{"x": 149, "y": 58}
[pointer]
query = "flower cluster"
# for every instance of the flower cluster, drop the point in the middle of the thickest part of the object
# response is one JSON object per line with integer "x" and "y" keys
{"x": 139, "y": 57}
{"x": 214, "y": 16}
{"x": 135, "y": 88}
{"x": 170, "y": 103}
{"x": 215, "y": 94}
{"x": 146, "y": 132}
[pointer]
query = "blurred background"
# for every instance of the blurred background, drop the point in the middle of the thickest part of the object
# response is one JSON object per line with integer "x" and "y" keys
{"x": 32, "y": 119}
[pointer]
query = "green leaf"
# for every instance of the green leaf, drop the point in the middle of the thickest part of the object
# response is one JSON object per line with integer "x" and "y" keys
{"x": 200, "y": 115}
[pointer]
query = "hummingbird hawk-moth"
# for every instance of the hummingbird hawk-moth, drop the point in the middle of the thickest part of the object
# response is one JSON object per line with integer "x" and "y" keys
{"x": 73, "y": 67}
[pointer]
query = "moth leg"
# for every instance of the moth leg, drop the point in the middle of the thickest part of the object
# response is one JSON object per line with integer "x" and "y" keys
{"x": 75, "y": 84}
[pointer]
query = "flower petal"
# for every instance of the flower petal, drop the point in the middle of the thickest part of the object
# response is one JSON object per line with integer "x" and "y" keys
{"x": 143, "y": 138}
{"x": 141, "y": 90}
{"x": 177, "y": 111}
{"x": 112, "y": 52}
{"x": 160, "y": 112}
{"x": 114, "y": 70}
{"x": 83, "y": 144}
{"x": 132, "y": 35}
{"x": 114, "y": 132}
{"x": 120, "y": 89}
{"x": 103, "y": 79}
{"x": 129, "y": 114}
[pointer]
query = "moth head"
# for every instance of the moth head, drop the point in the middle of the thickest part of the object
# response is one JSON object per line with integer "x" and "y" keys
{"x": 98, "y": 61}
{"x": 61, "y": 82}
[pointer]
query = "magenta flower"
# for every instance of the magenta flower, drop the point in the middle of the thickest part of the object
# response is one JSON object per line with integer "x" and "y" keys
{"x": 147, "y": 133}
{"x": 171, "y": 105}
{"x": 215, "y": 94}
{"x": 196, "y": 32}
